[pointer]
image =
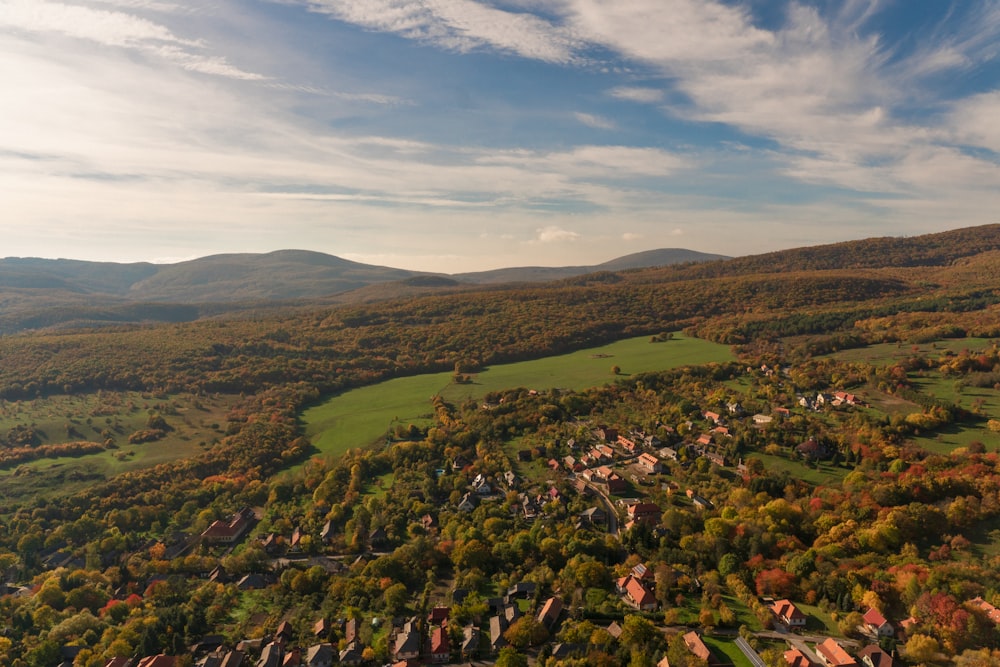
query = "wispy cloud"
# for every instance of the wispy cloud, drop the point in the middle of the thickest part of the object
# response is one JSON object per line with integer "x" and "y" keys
{"x": 637, "y": 94}
{"x": 594, "y": 121}
{"x": 116, "y": 29}
{"x": 459, "y": 25}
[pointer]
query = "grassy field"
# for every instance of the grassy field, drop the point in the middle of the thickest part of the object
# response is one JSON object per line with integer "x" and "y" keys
{"x": 889, "y": 353}
{"x": 363, "y": 416}
{"x": 818, "y": 620}
{"x": 946, "y": 389}
{"x": 726, "y": 651}
{"x": 195, "y": 423}
{"x": 824, "y": 474}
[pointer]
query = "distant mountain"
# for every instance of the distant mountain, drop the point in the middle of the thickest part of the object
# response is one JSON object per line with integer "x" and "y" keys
{"x": 639, "y": 260}
{"x": 282, "y": 275}
{"x": 275, "y": 276}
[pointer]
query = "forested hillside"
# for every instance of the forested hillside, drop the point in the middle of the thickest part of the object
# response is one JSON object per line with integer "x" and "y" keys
{"x": 848, "y": 462}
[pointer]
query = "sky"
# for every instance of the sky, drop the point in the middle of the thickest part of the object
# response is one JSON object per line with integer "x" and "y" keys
{"x": 464, "y": 135}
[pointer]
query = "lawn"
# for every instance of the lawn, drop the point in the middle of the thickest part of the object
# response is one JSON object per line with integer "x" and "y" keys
{"x": 825, "y": 474}
{"x": 363, "y": 416}
{"x": 727, "y": 651}
{"x": 818, "y": 620}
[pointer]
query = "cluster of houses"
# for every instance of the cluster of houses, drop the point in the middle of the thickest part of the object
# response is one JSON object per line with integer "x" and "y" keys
{"x": 830, "y": 652}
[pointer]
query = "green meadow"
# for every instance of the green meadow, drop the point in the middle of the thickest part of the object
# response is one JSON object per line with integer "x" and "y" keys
{"x": 194, "y": 423}
{"x": 363, "y": 416}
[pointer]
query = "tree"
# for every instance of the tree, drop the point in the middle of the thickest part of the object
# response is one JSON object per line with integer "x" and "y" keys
{"x": 509, "y": 657}
{"x": 921, "y": 648}
{"x": 638, "y": 632}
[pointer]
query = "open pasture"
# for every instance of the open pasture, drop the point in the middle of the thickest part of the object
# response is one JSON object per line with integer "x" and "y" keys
{"x": 194, "y": 422}
{"x": 363, "y": 416}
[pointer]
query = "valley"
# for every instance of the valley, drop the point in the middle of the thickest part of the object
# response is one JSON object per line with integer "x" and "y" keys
{"x": 523, "y": 474}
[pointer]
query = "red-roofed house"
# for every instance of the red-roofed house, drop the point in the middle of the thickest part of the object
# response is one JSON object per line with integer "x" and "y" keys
{"x": 440, "y": 649}
{"x": 695, "y": 644}
{"x": 833, "y": 654}
{"x": 650, "y": 462}
{"x": 876, "y": 624}
{"x": 549, "y": 614}
{"x": 788, "y": 613}
{"x": 796, "y": 658}
{"x": 639, "y": 596}
{"x": 645, "y": 513}
{"x": 227, "y": 532}
{"x": 158, "y": 661}
{"x": 991, "y": 612}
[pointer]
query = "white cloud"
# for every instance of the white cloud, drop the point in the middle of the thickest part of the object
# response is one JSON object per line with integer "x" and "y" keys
{"x": 596, "y": 122}
{"x": 459, "y": 25}
{"x": 973, "y": 121}
{"x": 632, "y": 236}
{"x": 637, "y": 94}
{"x": 555, "y": 234}
{"x": 115, "y": 29}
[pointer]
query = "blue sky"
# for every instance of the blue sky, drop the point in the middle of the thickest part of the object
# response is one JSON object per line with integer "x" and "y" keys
{"x": 457, "y": 135}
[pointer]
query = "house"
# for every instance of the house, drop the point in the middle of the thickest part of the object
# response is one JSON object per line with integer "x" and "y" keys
{"x": 702, "y": 503}
{"x": 467, "y": 503}
{"x": 351, "y": 630}
{"x": 160, "y": 660}
{"x": 322, "y": 628}
{"x": 378, "y": 538}
{"x": 991, "y": 612}
{"x": 712, "y": 416}
{"x": 327, "y": 533}
{"x": 716, "y": 458}
{"x": 697, "y": 647}
{"x": 669, "y": 453}
{"x": 650, "y": 462}
{"x": 643, "y": 573}
{"x": 594, "y": 516}
{"x": 549, "y": 614}
{"x": 833, "y": 654}
{"x": 271, "y": 656}
{"x": 788, "y": 614}
{"x": 440, "y": 649}
{"x": 252, "y": 582}
{"x": 607, "y": 434}
{"x": 293, "y": 658}
{"x": 704, "y": 440}
{"x": 873, "y": 656}
{"x": 648, "y": 513}
{"x": 796, "y": 658}
{"x": 470, "y": 642}
{"x": 616, "y": 484}
{"x": 319, "y": 655}
{"x": 523, "y": 589}
{"x": 223, "y": 531}
{"x": 233, "y": 659}
{"x": 628, "y": 444}
{"x": 761, "y": 419}
{"x": 438, "y": 615}
{"x": 639, "y": 596}
{"x": 407, "y": 644}
{"x": 813, "y": 450}
{"x": 351, "y": 655}
{"x": 615, "y": 630}
{"x": 876, "y": 624}
{"x": 498, "y": 625}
